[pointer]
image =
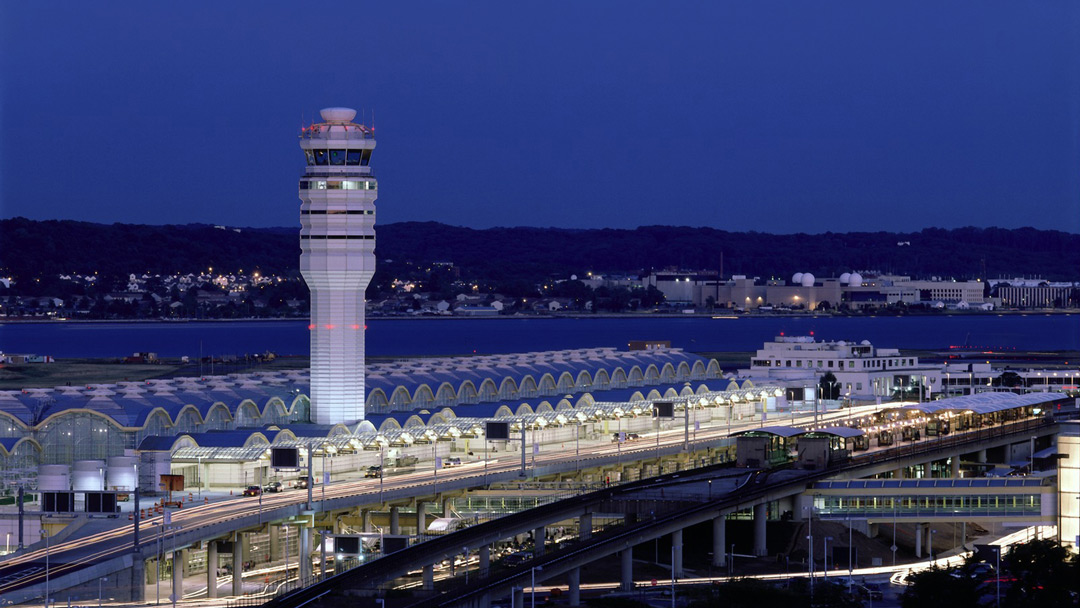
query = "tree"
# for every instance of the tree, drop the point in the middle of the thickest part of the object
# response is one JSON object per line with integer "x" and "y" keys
{"x": 830, "y": 388}
{"x": 938, "y": 588}
{"x": 1009, "y": 379}
{"x": 1047, "y": 575}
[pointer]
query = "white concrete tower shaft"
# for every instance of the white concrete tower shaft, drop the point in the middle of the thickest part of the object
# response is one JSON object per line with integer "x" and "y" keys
{"x": 337, "y": 259}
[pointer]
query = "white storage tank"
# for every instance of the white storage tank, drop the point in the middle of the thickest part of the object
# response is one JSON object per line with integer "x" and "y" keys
{"x": 121, "y": 473}
{"x": 88, "y": 476}
{"x": 54, "y": 478}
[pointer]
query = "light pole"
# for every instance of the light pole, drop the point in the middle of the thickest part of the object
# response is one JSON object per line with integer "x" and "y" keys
{"x": 45, "y": 533}
{"x": 997, "y": 551}
{"x": 577, "y": 438}
{"x": 285, "y": 529}
{"x": 810, "y": 537}
{"x": 825, "y": 557}
{"x": 532, "y": 587}
{"x": 850, "y": 566}
{"x": 177, "y": 591}
{"x": 99, "y": 590}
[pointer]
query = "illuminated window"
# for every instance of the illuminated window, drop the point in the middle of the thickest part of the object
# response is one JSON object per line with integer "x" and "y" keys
{"x": 337, "y": 157}
{"x": 310, "y": 157}
{"x": 320, "y": 156}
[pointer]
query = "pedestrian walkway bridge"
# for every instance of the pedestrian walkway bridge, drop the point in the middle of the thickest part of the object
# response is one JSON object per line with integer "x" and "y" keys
{"x": 936, "y": 499}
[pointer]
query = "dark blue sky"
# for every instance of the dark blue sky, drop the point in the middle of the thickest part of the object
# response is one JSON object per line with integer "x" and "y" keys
{"x": 777, "y": 117}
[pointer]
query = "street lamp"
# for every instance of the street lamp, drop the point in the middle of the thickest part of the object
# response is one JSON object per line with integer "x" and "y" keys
{"x": 810, "y": 537}
{"x": 825, "y": 557}
{"x": 532, "y": 588}
{"x": 997, "y": 552}
{"x": 577, "y": 439}
{"x": 99, "y": 589}
{"x": 45, "y": 533}
{"x": 850, "y": 565}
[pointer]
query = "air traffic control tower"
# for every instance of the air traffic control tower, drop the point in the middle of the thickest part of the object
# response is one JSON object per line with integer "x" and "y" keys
{"x": 337, "y": 259}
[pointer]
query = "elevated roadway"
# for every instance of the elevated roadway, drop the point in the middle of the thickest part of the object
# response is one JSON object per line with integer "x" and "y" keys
{"x": 672, "y": 502}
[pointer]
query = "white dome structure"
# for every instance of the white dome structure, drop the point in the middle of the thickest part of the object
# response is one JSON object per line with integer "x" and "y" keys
{"x": 808, "y": 280}
{"x": 796, "y": 279}
{"x": 845, "y": 278}
{"x": 337, "y": 114}
{"x": 855, "y": 280}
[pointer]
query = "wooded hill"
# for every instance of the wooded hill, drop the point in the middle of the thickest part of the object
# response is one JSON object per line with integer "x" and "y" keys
{"x": 31, "y": 249}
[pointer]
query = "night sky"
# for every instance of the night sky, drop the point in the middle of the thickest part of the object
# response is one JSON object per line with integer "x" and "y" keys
{"x": 769, "y": 116}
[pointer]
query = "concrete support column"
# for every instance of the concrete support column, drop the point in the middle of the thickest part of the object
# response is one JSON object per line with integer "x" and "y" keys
{"x": 429, "y": 577}
{"x": 211, "y": 569}
{"x": 322, "y": 555}
{"x": 574, "y": 577}
{"x": 485, "y": 559}
{"x": 517, "y": 597}
{"x": 395, "y": 524}
{"x": 918, "y": 539}
{"x": 898, "y": 473}
{"x": 138, "y": 580}
{"x": 719, "y": 541}
{"x": 275, "y": 542}
{"x": 448, "y": 507}
{"x": 421, "y": 518}
{"x": 760, "y": 546}
{"x": 305, "y": 553}
{"x": 627, "y": 578}
{"x": 676, "y": 555}
{"x": 239, "y": 545}
{"x": 954, "y": 463}
{"x": 178, "y": 575}
{"x": 585, "y": 526}
{"x": 980, "y": 456}
{"x": 539, "y": 538}
{"x": 367, "y": 520}
{"x": 929, "y": 541}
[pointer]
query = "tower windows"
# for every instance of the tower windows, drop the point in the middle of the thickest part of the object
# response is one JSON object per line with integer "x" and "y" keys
{"x": 337, "y": 185}
{"x": 352, "y": 157}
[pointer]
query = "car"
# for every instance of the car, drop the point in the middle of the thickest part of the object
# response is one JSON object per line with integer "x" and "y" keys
{"x": 374, "y": 471}
{"x": 253, "y": 491}
{"x": 516, "y": 559}
{"x": 274, "y": 486}
{"x": 452, "y": 462}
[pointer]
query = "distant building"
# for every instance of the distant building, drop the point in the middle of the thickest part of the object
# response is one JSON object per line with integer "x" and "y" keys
{"x": 861, "y": 370}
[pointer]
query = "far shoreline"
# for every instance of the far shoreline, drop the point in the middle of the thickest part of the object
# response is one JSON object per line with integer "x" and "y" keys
{"x": 719, "y": 315}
